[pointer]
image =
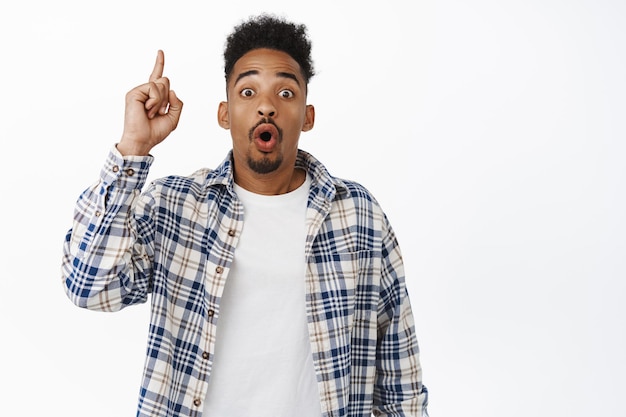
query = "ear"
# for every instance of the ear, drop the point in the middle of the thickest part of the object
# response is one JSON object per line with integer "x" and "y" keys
{"x": 222, "y": 115}
{"x": 309, "y": 118}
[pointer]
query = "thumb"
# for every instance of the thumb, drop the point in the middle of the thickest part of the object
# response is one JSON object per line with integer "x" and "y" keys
{"x": 175, "y": 108}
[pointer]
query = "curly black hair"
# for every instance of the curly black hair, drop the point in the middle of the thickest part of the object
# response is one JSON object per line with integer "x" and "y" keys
{"x": 269, "y": 31}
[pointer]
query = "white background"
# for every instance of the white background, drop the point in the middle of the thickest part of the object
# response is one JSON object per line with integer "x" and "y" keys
{"x": 492, "y": 132}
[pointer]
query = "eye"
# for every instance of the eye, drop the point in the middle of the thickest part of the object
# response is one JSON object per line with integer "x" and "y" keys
{"x": 286, "y": 94}
{"x": 247, "y": 92}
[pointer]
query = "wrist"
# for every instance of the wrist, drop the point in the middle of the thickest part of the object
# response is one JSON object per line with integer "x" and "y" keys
{"x": 127, "y": 148}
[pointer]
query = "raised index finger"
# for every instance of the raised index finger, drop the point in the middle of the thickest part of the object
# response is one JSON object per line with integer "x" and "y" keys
{"x": 157, "y": 71}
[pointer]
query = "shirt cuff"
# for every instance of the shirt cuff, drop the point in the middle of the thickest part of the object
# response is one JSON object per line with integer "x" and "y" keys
{"x": 126, "y": 171}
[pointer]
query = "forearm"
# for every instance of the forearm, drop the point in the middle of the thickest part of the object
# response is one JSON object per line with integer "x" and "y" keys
{"x": 398, "y": 389}
{"x": 106, "y": 263}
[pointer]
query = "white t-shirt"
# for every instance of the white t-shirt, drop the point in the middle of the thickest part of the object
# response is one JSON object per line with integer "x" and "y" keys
{"x": 263, "y": 365}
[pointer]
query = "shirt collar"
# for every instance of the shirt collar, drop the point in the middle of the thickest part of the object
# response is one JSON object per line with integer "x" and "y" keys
{"x": 322, "y": 183}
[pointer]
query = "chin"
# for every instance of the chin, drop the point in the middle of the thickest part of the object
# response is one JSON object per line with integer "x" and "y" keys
{"x": 264, "y": 165}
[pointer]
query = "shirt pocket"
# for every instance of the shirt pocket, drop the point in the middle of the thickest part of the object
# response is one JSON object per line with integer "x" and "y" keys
{"x": 341, "y": 277}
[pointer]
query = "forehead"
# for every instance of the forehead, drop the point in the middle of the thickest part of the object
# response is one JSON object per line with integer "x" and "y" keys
{"x": 266, "y": 61}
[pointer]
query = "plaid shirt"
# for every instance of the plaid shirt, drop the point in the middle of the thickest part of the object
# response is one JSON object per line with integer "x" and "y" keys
{"x": 177, "y": 240}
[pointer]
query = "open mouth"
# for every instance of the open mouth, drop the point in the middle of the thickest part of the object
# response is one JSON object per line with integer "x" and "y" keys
{"x": 265, "y": 132}
{"x": 265, "y": 136}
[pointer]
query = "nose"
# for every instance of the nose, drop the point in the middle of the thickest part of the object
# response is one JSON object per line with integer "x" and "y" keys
{"x": 266, "y": 108}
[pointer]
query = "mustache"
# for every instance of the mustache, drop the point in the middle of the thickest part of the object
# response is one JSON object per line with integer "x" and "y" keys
{"x": 265, "y": 120}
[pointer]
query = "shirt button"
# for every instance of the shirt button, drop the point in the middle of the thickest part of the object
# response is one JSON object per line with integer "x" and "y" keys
{"x": 205, "y": 355}
{"x": 130, "y": 172}
{"x": 197, "y": 402}
{"x": 219, "y": 269}
{"x": 97, "y": 213}
{"x": 211, "y": 313}
{"x": 115, "y": 168}
{"x": 231, "y": 232}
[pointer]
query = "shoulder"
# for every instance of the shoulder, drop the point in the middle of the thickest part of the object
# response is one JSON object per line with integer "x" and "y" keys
{"x": 351, "y": 189}
{"x": 199, "y": 183}
{"x": 192, "y": 183}
{"x": 202, "y": 186}
{"x": 332, "y": 187}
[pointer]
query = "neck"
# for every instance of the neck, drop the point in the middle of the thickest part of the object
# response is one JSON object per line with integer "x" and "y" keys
{"x": 274, "y": 183}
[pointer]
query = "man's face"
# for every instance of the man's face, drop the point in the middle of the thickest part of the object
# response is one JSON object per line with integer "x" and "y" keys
{"x": 265, "y": 112}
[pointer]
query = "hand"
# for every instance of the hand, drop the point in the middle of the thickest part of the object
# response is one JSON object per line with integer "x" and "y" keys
{"x": 152, "y": 113}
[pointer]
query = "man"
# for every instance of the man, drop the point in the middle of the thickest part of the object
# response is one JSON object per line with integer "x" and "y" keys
{"x": 275, "y": 288}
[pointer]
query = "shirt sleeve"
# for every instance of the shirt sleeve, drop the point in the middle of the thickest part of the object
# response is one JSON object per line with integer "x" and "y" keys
{"x": 398, "y": 390}
{"x": 107, "y": 253}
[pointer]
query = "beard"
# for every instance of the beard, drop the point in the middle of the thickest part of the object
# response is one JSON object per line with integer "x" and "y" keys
{"x": 264, "y": 165}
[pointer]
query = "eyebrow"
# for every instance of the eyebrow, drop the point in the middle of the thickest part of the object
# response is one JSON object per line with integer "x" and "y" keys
{"x": 288, "y": 75}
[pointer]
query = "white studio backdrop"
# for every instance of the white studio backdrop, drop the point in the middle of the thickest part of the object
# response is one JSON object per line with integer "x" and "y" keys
{"x": 492, "y": 133}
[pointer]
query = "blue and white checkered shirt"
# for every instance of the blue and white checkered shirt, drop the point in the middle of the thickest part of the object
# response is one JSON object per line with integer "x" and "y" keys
{"x": 176, "y": 241}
